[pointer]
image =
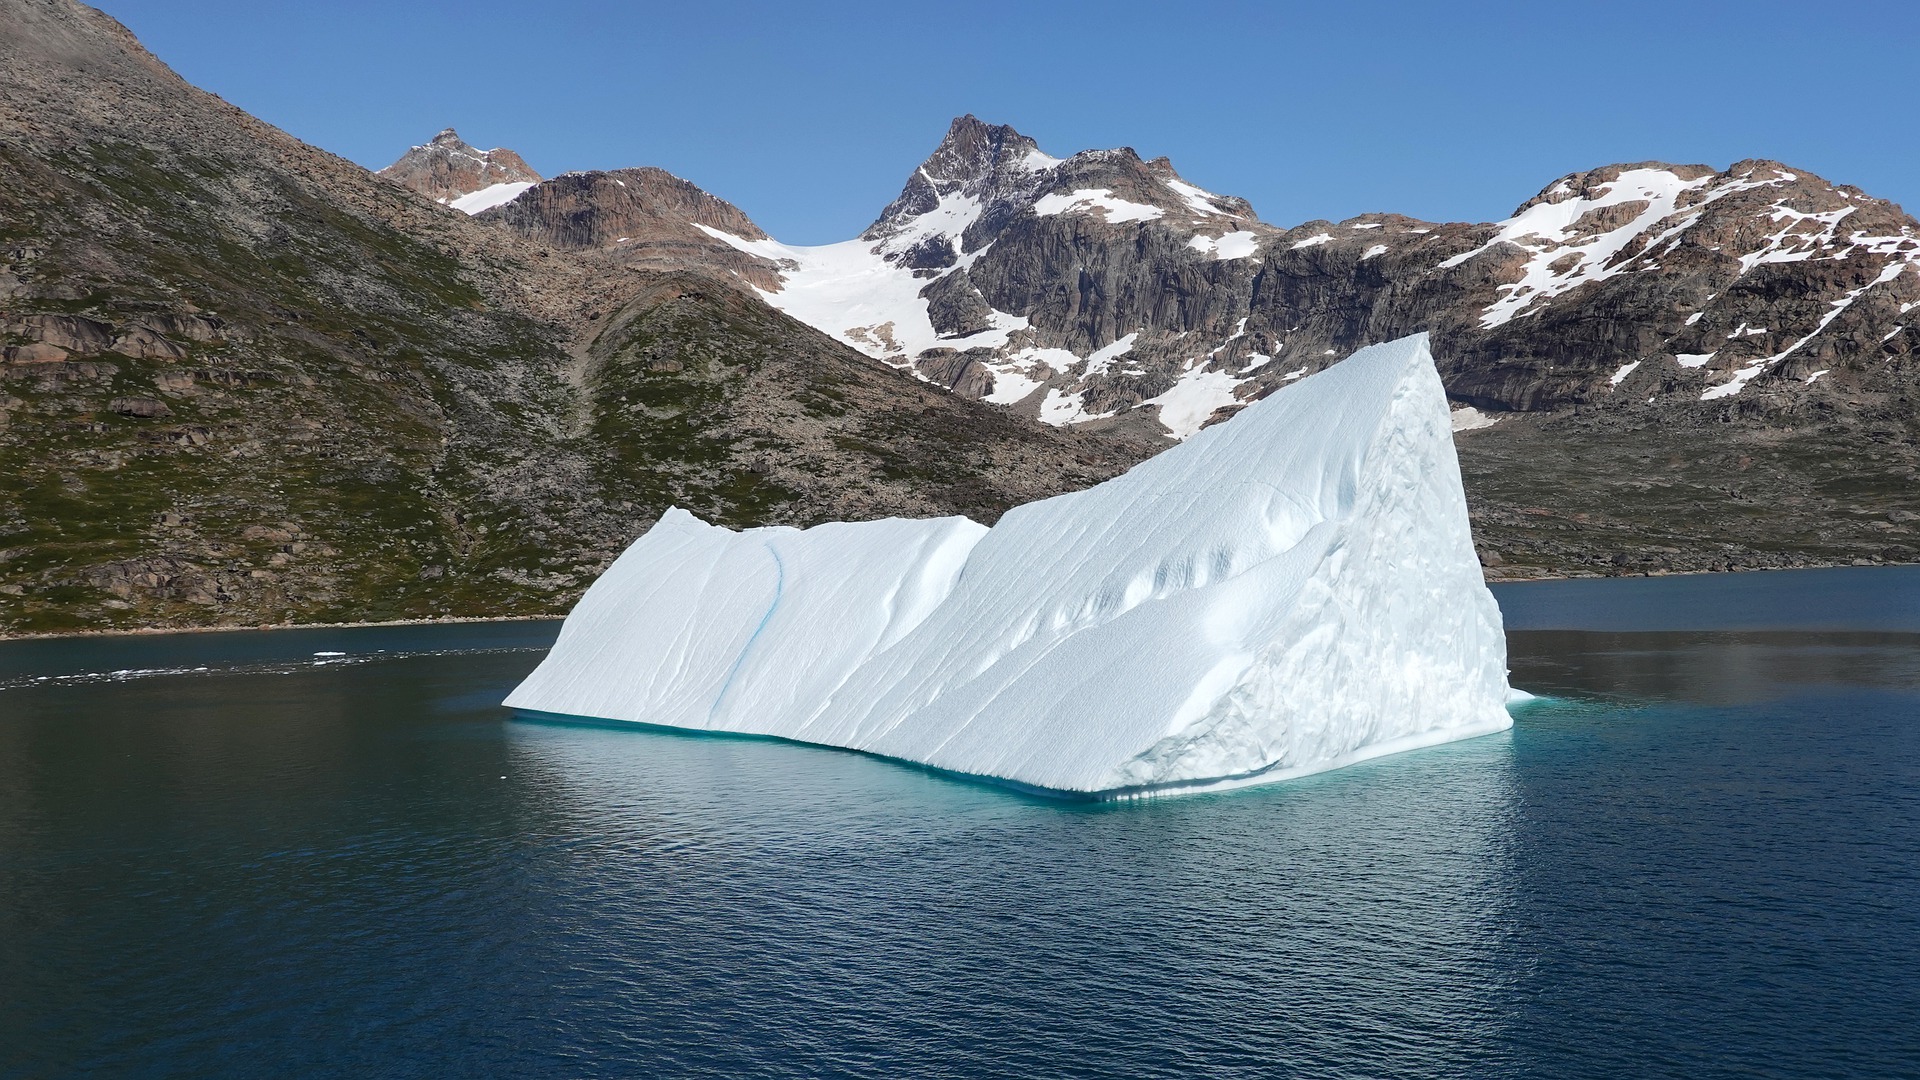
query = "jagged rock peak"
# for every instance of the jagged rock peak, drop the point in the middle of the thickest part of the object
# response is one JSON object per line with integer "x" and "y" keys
{"x": 983, "y": 176}
{"x": 448, "y": 167}
{"x": 973, "y": 149}
{"x": 977, "y": 161}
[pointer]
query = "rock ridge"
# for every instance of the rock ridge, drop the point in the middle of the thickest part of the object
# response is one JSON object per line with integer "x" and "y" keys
{"x": 447, "y": 168}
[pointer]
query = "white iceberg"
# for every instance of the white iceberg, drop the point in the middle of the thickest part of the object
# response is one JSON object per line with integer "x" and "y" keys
{"x": 1290, "y": 592}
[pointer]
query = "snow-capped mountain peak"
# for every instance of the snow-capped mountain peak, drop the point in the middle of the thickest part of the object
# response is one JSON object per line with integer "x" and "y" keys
{"x": 982, "y": 177}
{"x": 978, "y": 171}
{"x": 941, "y": 283}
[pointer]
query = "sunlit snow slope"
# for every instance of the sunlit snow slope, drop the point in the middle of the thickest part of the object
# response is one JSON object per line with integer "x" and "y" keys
{"x": 1288, "y": 593}
{"x": 489, "y": 197}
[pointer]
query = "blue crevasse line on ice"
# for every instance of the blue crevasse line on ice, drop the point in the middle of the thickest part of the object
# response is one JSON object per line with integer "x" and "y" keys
{"x": 779, "y": 588}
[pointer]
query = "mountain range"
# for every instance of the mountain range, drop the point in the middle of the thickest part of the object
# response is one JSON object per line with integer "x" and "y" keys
{"x": 1657, "y": 367}
{"x": 1094, "y": 287}
{"x": 245, "y": 381}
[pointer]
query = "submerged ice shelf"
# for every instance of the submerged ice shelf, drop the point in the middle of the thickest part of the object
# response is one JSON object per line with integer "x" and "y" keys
{"x": 1286, "y": 593}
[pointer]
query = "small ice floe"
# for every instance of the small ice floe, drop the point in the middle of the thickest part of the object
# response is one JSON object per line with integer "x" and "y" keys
{"x": 1468, "y": 418}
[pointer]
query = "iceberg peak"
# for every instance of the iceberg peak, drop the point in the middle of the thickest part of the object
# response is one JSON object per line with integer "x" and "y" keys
{"x": 1287, "y": 593}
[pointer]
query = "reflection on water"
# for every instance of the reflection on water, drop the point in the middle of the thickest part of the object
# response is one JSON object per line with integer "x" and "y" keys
{"x": 370, "y": 865}
{"x": 1709, "y": 668}
{"x": 1702, "y": 860}
{"x": 998, "y": 931}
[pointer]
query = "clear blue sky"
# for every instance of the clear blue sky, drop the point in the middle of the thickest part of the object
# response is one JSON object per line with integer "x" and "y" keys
{"x": 810, "y": 116}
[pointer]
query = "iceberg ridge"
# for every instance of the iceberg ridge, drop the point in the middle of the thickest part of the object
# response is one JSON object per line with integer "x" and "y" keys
{"x": 1286, "y": 593}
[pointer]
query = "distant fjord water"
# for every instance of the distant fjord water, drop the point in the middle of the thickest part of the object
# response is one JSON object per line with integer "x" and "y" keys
{"x": 328, "y": 852}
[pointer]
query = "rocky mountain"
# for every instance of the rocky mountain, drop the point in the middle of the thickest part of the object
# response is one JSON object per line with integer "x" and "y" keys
{"x": 1693, "y": 343}
{"x": 448, "y": 170}
{"x": 1098, "y": 285}
{"x": 1007, "y": 274}
{"x": 243, "y": 381}
{"x": 641, "y": 218}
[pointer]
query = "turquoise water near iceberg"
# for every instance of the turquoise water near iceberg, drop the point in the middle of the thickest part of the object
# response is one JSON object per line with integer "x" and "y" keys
{"x": 1702, "y": 858}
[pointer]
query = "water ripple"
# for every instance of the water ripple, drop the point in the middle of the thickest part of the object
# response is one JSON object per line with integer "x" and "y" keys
{"x": 366, "y": 868}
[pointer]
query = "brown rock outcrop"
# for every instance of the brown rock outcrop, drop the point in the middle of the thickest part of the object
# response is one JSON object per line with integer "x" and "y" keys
{"x": 447, "y": 167}
{"x": 644, "y": 218}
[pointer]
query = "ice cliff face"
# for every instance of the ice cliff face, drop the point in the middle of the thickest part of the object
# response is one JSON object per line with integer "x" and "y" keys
{"x": 1285, "y": 594}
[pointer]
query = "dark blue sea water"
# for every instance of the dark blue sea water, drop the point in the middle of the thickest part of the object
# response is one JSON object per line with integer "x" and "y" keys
{"x": 1701, "y": 860}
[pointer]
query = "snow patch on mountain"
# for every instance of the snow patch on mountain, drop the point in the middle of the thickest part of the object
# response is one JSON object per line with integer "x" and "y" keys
{"x": 1468, "y": 418}
{"x": 1102, "y": 358}
{"x": 1563, "y": 254}
{"x": 489, "y": 197}
{"x": 1574, "y": 237}
{"x": 1234, "y": 245}
{"x": 1801, "y": 236}
{"x": 1062, "y": 407}
{"x": 1036, "y": 160}
{"x": 1011, "y": 386}
{"x": 852, "y": 291}
{"x": 1199, "y": 201}
{"x": 1193, "y": 399}
{"x": 1117, "y": 211}
{"x": 453, "y": 172}
{"x": 948, "y": 219}
{"x": 1738, "y": 382}
{"x": 1755, "y": 367}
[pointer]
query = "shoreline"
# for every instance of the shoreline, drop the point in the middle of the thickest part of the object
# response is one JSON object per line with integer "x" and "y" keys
{"x": 1491, "y": 580}
{"x": 148, "y": 631}
{"x": 151, "y": 631}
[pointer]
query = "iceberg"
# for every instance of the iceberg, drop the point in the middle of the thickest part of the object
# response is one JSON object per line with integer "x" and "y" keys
{"x": 1292, "y": 591}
